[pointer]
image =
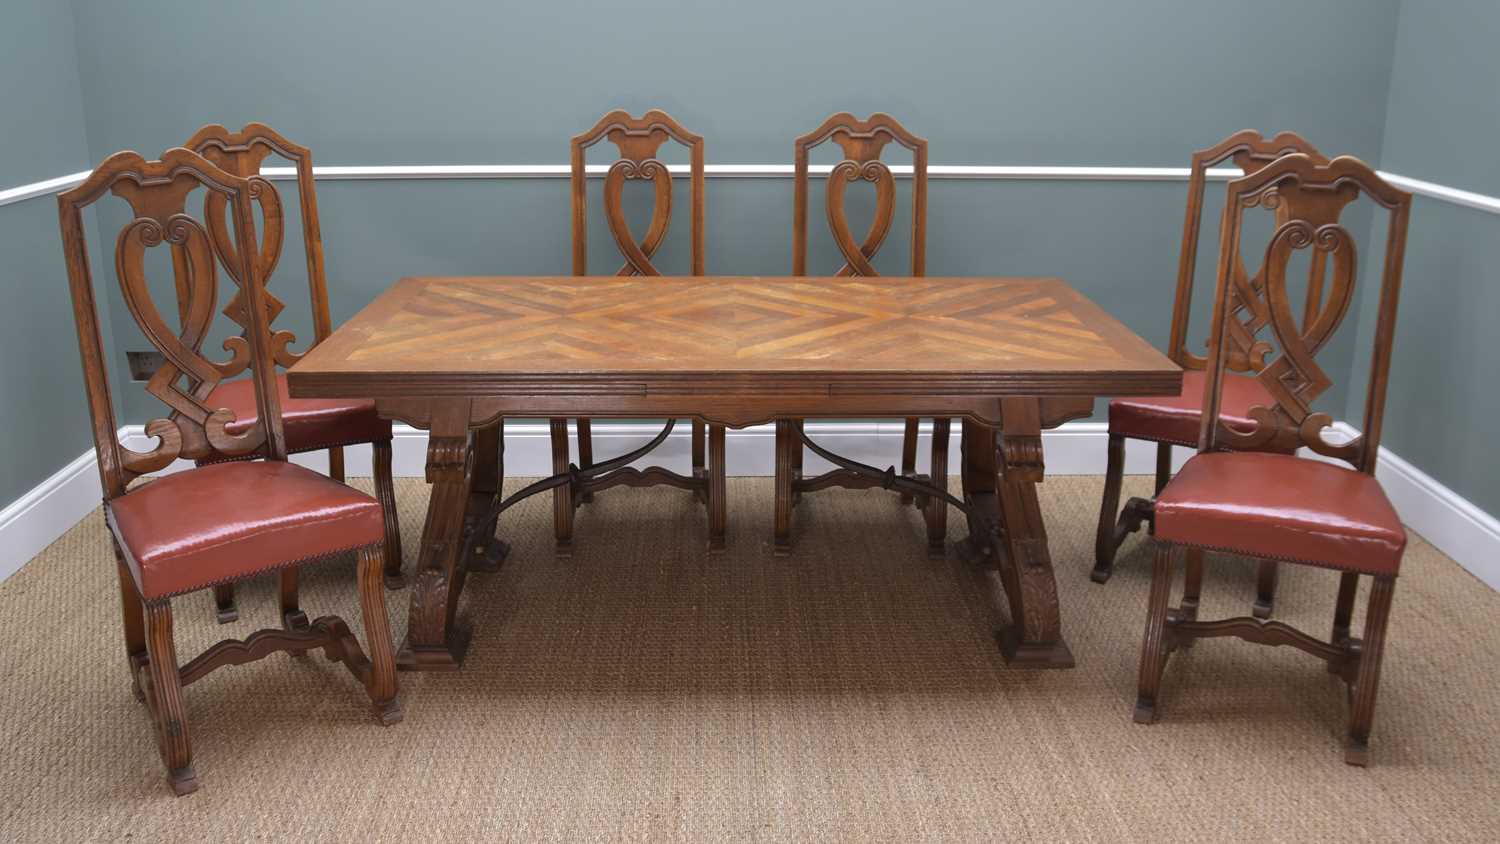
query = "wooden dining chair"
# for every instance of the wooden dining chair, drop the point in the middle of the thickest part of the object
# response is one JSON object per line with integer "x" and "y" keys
{"x": 228, "y": 521}
{"x": 862, "y": 143}
{"x": 310, "y": 424}
{"x": 1237, "y": 497}
{"x": 638, "y": 140}
{"x": 1174, "y": 420}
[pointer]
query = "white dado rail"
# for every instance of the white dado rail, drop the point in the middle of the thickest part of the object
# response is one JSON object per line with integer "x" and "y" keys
{"x": 960, "y": 172}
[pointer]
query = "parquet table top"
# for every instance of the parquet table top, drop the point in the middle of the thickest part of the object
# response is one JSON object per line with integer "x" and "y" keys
{"x": 996, "y": 336}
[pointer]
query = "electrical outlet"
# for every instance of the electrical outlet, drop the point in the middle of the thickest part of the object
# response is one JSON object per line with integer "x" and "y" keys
{"x": 144, "y": 364}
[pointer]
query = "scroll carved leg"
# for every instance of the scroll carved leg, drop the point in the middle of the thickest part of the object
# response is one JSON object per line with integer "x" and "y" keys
{"x": 937, "y": 509}
{"x": 909, "y": 454}
{"x": 167, "y": 709}
{"x": 788, "y": 446}
{"x": 385, "y": 492}
{"x": 1154, "y": 648}
{"x": 489, "y": 446}
{"x": 1367, "y": 681}
{"x": 1265, "y": 588}
{"x": 1105, "y": 542}
{"x": 225, "y": 608}
{"x": 434, "y": 641}
{"x": 381, "y": 684}
{"x": 717, "y": 505}
{"x": 563, "y": 500}
{"x": 1035, "y": 636}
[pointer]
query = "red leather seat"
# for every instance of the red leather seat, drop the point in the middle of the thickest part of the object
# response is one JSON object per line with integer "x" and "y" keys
{"x": 1178, "y": 419}
{"x": 310, "y": 424}
{"x": 1282, "y": 507}
{"x": 216, "y": 523}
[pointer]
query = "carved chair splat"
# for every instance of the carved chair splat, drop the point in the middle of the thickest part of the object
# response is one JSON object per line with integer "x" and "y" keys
{"x": 215, "y": 523}
{"x": 862, "y": 143}
{"x": 638, "y": 141}
{"x": 1174, "y": 420}
{"x": 1236, "y": 495}
{"x": 311, "y": 425}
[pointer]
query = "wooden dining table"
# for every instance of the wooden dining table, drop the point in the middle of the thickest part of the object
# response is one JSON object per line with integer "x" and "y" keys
{"x": 1009, "y": 357}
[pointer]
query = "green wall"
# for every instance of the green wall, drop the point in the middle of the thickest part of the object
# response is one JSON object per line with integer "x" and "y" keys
{"x": 42, "y": 410}
{"x": 1443, "y": 125}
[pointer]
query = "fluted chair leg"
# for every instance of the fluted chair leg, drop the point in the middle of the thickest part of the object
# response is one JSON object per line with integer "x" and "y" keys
{"x": 1109, "y": 510}
{"x": 1154, "y": 648}
{"x": 562, "y": 497}
{"x": 167, "y": 709}
{"x": 909, "y": 455}
{"x": 937, "y": 509}
{"x": 1367, "y": 681}
{"x": 382, "y": 684}
{"x": 385, "y": 493}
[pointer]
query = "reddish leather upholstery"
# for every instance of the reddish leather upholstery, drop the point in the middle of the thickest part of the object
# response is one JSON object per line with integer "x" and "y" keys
{"x": 216, "y": 523}
{"x": 1178, "y": 419}
{"x": 310, "y": 424}
{"x": 1282, "y": 507}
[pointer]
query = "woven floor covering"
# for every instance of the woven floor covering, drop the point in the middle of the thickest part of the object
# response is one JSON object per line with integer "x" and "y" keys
{"x": 646, "y": 690}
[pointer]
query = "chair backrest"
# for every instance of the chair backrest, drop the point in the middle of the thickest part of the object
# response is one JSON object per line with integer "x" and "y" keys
{"x": 1250, "y": 152}
{"x": 1309, "y": 197}
{"x": 242, "y": 153}
{"x": 862, "y": 142}
{"x": 158, "y": 192}
{"x": 638, "y": 139}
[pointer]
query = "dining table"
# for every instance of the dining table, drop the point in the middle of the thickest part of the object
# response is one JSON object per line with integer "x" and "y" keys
{"x": 1009, "y": 357}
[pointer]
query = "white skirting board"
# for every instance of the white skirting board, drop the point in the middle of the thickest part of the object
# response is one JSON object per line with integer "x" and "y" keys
{"x": 1453, "y": 524}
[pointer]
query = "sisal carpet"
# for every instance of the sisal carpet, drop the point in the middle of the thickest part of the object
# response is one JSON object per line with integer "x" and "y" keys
{"x": 645, "y": 690}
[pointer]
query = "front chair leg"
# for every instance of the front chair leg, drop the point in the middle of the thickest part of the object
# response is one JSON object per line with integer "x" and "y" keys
{"x": 385, "y": 492}
{"x": 167, "y": 708}
{"x": 1109, "y": 510}
{"x": 1367, "y": 680}
{"x": 1154, "y": 648}
{"x": 224, "y": 605}
{"x": 1265, "y": 588}
{"x": 381, "y": 684}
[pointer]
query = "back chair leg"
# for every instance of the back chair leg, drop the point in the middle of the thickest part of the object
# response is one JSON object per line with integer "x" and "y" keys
{"x": 1367, "y": 681}
{"x": 798, "y": 426}
{"x": 292, "y": 616}
{"x": 385, "y": 492}
{"x": 1343, "y": 610}
{"x": 585, "y": 452}
{"x": 1163, "y": 466}
{"x": 167, "y": 709}
{"x": 1109, "y": 510}
{"x": 1154, "y": 648}
{"x": 1265, "y": 588}
{"x": 937, "y": 508}
{"x": 133, "y": 622}
{"x": 224, "y": 605}
{"x": 381, "y": 685}
{"x": 909, "y": 455}
{"x": 1192, "y": 587}
{"x": 336, "y": 464}
{"x": 700, "y": 465}
{"x": 562, "y": 497}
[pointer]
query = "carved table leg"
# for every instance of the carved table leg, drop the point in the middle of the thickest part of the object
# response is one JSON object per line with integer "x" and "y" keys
{"x": 717, "y": 506}
{"x": 937, "y": 509}
{"x": 489, "y": 451}
{"x": 1034, "y": 637}
{"x": 433, "y": 640}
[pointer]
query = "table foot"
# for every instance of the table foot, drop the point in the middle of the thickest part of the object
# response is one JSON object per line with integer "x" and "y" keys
{"x": 448, "y": 657}
{"x": 1022, "y": 654}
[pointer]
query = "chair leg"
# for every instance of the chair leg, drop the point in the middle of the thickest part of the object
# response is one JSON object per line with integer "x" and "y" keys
{"x": 585, "y": 452}
{"x": 1367, "y": 681}
{"x": 224, "y": 606}
{"x": 937, "y": 508}
{"x": 1109, "y": 511}
{"x": 1192, "y": 588}
{"x": 385, "y": 491}
{"x": 787, "y": 447}
{"x": 1154, "y": 649}
{"x": 381, "y": 684}
{"x": 1343, "y": 610}
{"x": 717, "y": 502}
{"x": 166, "y": 699}
{"x": 336, "y": 464}
{"x": 1265, "y": 588}
{"x": 909, "y": 455}
{"x": 133, "y": 622}
{"x": 1163, "y": 466}
{"x": 292, "y": 616}
{"x": 700, "y": 464}
{"x": 562, "y": 497}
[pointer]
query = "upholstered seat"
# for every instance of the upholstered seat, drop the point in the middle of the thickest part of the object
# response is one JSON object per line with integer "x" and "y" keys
{"x": 218, "y": 523}
{"x": 1278, "y": 506}
{"x": 1177, "y": 419}
{"x": 310, "y": 424}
